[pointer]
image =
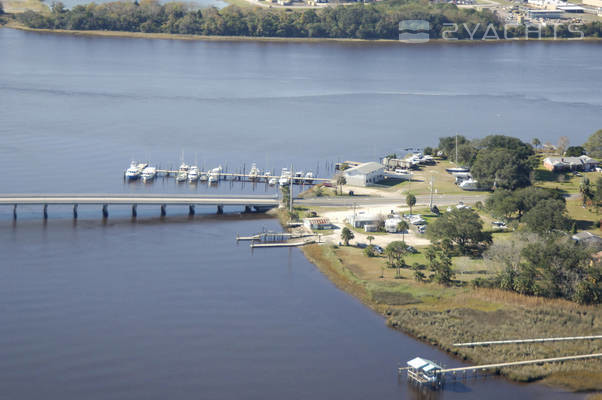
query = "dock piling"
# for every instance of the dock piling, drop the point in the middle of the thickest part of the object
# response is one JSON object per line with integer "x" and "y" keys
{"x": 75, "y": 211}
{"x": 163, "y": 211}
{"x": 105, "y": 211}
{"x": 15, "y": 212}
{"x": 45, "y": 211}
{"x": 134, "y": 210}
{"x": 191, "y": 209}
{"x": 220, "y": 209}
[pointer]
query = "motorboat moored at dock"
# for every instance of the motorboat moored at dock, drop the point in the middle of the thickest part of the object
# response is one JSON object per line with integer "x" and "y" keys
{"x": 148, "y": 174}
{"x": 285, "y": 177}
{"x": 193, "y": 174}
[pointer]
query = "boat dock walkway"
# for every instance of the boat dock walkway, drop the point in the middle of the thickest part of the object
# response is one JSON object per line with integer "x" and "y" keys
{"x": 519, "y": 341}
{"x": 517, "y": 363}
{"x": 284, "y": 244}
{"x": 242, "y": 176}
{"x": 258, "y": 203}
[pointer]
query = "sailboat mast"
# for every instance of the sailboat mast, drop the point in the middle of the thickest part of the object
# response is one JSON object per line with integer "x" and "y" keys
{"x": 456, "y": 149}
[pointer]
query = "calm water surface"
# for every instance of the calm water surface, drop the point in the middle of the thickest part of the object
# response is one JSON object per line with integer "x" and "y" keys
{"x": 173, "y": 308}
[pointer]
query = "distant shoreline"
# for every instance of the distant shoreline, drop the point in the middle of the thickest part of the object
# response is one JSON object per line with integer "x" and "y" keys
{"x": 175, "y": 36}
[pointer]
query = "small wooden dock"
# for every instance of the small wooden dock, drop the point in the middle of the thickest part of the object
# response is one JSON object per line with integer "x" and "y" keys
{"x": 436, "y": 376}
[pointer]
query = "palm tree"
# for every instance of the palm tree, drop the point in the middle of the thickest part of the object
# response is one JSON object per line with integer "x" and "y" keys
{"x": 410, "y": 201}
{"x": 370, "y": 239}
{"x": 340, "y": 182}
{"x": 585, "y": 189}
{"x": 347, "y": 235}
{"x": 402, "y": 227}
{"x": 536, "y": 143}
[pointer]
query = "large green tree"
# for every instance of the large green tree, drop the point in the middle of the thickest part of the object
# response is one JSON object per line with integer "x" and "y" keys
{"x": 594, "y": 144}
{"x": 463, "y": 227}
{"x": 514, "y": 204}
{"x": 501, "y": 168}
{"x": 547, "y": 216}
{"x": 448, "y": 145}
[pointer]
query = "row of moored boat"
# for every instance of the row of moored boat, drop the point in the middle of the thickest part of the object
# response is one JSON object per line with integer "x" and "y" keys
{"x": 191, "y": 173}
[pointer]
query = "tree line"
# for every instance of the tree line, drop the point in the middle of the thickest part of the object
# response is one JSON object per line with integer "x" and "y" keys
{"x": 362, "y": 21}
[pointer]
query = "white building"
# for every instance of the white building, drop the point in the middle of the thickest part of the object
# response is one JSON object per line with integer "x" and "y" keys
{"x": 361, "y": 219}
{"x": 391, "y": 224}
{"x": 365, "y": 174}
{"x": 317, "y": 223}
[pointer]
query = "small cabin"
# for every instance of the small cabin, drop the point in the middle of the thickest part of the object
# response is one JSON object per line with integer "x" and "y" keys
{"x": 424, "y": 372}
{"x": 317, "y": 223}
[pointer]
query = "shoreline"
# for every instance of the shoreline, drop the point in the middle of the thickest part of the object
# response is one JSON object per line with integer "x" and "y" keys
{"x": 475, "y": 313}
{"x": 563, "y": 380}
{"x": 207, "y": 38}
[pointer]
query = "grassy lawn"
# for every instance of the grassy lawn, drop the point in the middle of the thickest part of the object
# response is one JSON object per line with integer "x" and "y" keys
{"x": 568, "y": 182}
{"x": 241, "y": 3}
{"x": 443, "y": 182}
{"x": 20, "y": 6}
{"x": 585, "y": 218}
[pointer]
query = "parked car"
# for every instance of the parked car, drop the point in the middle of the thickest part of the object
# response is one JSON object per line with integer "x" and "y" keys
{"x": 378, "y": 249}
{"x": 411, "y": 249}
{"x": 421, "y": 229}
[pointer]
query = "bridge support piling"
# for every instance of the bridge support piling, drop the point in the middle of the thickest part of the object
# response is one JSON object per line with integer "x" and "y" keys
{"x": 105, "y": 211}
{"x": 191, "y": 209}
{"x": 45, "y": 211}
{"x": 75, "y": 211}
{"x": 15, "y": 211}
{"x": 163, "y": 211}
{"x": 220, "y": 210}
{"x": 134, "y": 210}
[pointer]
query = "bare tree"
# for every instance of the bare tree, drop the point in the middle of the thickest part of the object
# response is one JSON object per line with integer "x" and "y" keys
{"x": 563, "y": 144}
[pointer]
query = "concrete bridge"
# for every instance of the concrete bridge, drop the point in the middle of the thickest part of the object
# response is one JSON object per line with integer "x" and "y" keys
{"x": 257, "y": 203}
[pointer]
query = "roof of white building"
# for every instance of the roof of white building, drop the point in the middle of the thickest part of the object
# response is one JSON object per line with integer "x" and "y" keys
{"x": 365, "y": 168}
{"x": 423, "y": 364}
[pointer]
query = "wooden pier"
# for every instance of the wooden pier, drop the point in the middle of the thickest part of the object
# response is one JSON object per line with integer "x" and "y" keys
{"x": 441, "y": 375}
{"x": 519, "y": 341}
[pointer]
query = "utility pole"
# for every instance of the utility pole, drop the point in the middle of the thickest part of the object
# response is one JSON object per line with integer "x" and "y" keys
{"x": 431, "y": 202}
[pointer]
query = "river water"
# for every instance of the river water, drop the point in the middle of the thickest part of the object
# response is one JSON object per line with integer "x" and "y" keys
{"x": 173, "y": 307}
